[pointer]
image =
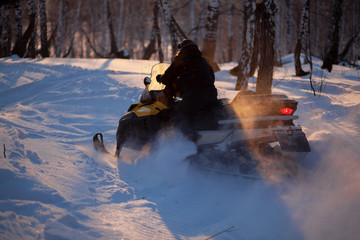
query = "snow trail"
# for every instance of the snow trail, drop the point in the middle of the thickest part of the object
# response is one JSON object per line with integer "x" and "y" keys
{"x": 54, "y": 185}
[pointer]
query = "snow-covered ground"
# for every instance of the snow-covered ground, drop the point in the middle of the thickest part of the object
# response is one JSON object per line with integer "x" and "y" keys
{"x": 53, "y": 185}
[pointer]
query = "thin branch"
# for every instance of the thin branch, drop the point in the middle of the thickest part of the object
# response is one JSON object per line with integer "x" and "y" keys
{"x": 217, "y": 234}
{"x": 4, "y": 151}
{"x": 184, "y": 5}
{"x": 91, "y": 45}
{"x": 180, "y": 32}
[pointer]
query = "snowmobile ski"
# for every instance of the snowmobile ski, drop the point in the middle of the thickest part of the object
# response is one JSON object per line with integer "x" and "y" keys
{"x": 99, "y": 143}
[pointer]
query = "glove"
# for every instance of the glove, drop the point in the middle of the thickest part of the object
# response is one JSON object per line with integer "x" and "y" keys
{"x": 158, "y": 78}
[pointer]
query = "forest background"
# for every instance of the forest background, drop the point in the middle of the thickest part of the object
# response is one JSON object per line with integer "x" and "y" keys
{"x": 125, "y": 28}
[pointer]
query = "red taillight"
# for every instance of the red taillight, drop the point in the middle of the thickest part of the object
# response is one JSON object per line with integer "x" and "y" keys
{"x": 286, "y": 111}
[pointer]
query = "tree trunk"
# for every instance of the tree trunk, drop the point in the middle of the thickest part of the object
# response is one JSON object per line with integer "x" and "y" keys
{"x": 277, "y": 44}
{"x": 209, "y": 45}
{"x": 169, "y": 22}
{"x": 180, "y": 33}
{"x": 104, "y": 29}
{"x": 199, "y": 22}
{"x": 348, "y": 45}
{"x": 248, "y": 44}
{"x": 30, "y": 33}
{"x": 230, "y": 31}
{"x": 150, "y": 49}
{"x": 19, "y": 47}
{"x": 90, "y": 35}
{"x": 120, "y": 16}
{"x": 43, "y": 29}
{"x": 331, "y": 56}
{"x": 192, "y": 19}
{"x": 288, "y": 26}
{"x": 256, "y": 47}
{"x": 75, "y": 29}
{"x": 268, "y": 10}
{"x": 304, "y": 23}
{"x": 59, "y": 38}
{"x": 113, "y": 47}
{"x": 158, "y": 35}
{"x": 5, "y": 40}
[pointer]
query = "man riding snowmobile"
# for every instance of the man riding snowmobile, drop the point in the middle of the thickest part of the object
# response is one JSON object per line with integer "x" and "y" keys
{"x": 244, "y": 135}
{"x": 191, "y": 78}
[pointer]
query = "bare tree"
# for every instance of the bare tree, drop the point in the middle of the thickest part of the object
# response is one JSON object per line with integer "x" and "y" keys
{"x": 199, "y": 23}
{"x": 169, "y": 22}
{"x": 150, "y": 49}
{"x": 179, "y": 32}
{"x": 104, "y": 29}
{"x": 120, "y": 23}
{"x": 302, "y": 32}
{"x": 331, "y": 56}
{"x": 113, "y": 46}
{"x": 248, "y": 45}
{"x": 155, "y": 36}
{"x": 5, "y": 33}
{"x": 43, "y": 29}
{"x": 75, "y": 29}
{"x": 348, "y": 45}
{"x": 277, "y": 45}
{"x": 268, "y": 10}
{"x": 192, "y": 19}
{"x": 256, "y": 47}
{"x": 288, "y": 26}
{"x": 30, "y": 33}
{"x": 133, "y": 28}
{"x": 231, "y": 9}
{"x": 209, "y": 45}
{"x": 59, "y": 37}
{"x": 19, "y": 47}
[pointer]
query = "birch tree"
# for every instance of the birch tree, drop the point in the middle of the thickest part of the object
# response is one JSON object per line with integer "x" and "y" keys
{"x": 288, "y": 26}
{"x": 5, "y": 37}
{"x": 113, "y": 46}
{"x": 268, "y": 10}
{"x": 158, "y": 34}
{"x": 43, "y": 29}
{"x": 277, "y": 43}
{"x": 192, "y": 19}
{"x": 75, "y": 29}
{"x": 195, "y": 30}
{"x": 30, "y": 34}
{"x": 348, "y": 45}
{"x": 150, "y": 49}
{"x": 257, "y": 33}
{"x": 59, "y": 37}
{"x": 302, "y": 35}
{"x": 169, "y": 22}
{"x": 331, "y": 56}
{"x": 248, "y": 45}
{"x": 120, "y": 17}
{"x": 104, "y": 30}
{"x": 230, "y": 30}
{"x": 19, "y": 47}
{"x": 209, "y": 44}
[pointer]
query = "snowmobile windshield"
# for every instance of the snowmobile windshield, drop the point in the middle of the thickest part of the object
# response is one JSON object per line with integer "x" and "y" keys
{"x": 159, "y": 68}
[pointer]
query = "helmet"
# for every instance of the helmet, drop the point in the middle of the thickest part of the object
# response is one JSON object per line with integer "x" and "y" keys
{"x": 186, "y": 42}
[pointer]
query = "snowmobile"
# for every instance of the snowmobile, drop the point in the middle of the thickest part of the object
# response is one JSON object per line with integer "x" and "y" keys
{"x": 250, "y": 135}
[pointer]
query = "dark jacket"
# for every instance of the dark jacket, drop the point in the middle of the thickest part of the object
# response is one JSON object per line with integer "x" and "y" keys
{"x": 191, "y": 78}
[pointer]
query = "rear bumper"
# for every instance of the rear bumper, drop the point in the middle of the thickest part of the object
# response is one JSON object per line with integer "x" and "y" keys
{"x": 290, "y": 138}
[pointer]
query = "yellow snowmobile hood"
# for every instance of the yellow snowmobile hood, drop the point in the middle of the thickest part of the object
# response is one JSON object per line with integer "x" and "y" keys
{"x": 142, "y": 110}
